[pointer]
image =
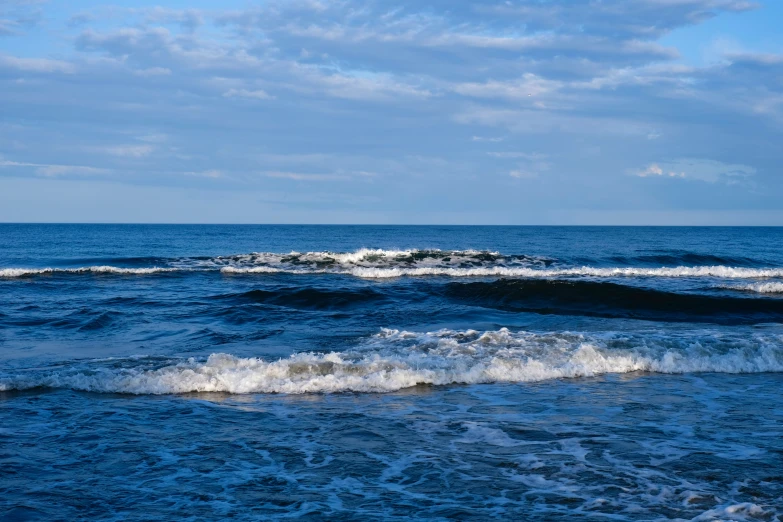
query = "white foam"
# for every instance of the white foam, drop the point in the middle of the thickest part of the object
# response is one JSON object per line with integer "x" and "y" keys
{"x": 372, "y": 254}
{"x": 680, "y": 271}
{"x": 742, "y": 511}
{"x": 761, "y": 288}
{"x": 532, "y": 273}
{"x": 393, "y": 360}
{"x": 253, "y": 270}
{"x": 369, "y": 258}
{"x": 380, "y": 264}
{"x": 22, "y": 272}
{"x": 383, "y": 264}
{"x": 118, "y": 270}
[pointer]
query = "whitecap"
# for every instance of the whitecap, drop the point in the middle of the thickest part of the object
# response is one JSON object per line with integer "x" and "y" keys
{"x": 22, "y": 272}
{"x": 393, "y": 360}
{"x": 761, "y": 288}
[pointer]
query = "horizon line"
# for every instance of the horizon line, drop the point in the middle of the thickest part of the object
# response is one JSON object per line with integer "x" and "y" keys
{"x": 128, "y": 223}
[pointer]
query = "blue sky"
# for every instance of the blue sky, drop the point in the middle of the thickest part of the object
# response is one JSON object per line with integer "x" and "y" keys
{"x": 320, "y": 111}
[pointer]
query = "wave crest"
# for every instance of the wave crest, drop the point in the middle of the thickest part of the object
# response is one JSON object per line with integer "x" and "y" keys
{"x": 382, "y": 264}
{"x": 22, "y": 272}
{"x": 760, "y": 288}
{"x": 393, "y": 360}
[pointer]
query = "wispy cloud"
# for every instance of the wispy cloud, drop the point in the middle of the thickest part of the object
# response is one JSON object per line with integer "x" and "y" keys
{"x": 523, "y": 174}
{"x": 36, "y": 65}
{"x": 211, "y": 174}
{"x": 442, "y": 103}
{"x": 528, "y": 86}
{"x": 128, "y": 151}
{"x": 710, "y": 171}
{"x": 153, "y": 71}
{"x": 256, "y": 94}
{"x": 487, "y": 139}
{"x": 63, "y": 170}
{"x": 654, "y": 169}
{"x": 517, "y": 155}
{"x": 52, "y": 170}
{"x": 298, "y": 176}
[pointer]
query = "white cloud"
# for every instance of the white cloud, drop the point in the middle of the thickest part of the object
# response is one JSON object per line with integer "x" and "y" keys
{"x": 528, "y": 86}
{"x": 211, "y": 173}
{"x": 656, "y": 73}
{"x": 358, "y": 85}
{"x": 297, "y": 176}
{"x": 427, "y": 96}
{"x": 517, "y": 155}
{"x": 128, "y": 151}
{"x": 152, "y": 71}
{"x": 523, "y": 174}
{"x": 707, "y": 170}
{"x": 529, "y": 165}
{"x": 532, "y": 121}
{"x": 64, "y": 170}
{"x": 52, "y": 170}
{"x": 36, "y": 65}
{"x": 257, "y": 94}
{"x": 188, "y": 18}
{"x": 654, "y": 169}
{"x": 432, "y": 31}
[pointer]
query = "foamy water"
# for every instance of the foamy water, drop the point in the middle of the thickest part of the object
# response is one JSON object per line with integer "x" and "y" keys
{"x": 394, "y": 360}
{"x": 446, "y": 373}
{"x": 22, "y": 272}
{"x": 761, "y": 288}
{"x": 382, "y": 264}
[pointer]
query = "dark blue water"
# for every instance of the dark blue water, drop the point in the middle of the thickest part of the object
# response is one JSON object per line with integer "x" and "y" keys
{"x": 391, "y": 373}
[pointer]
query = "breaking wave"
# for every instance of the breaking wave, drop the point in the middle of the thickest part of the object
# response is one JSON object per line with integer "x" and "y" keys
{"x": 760, "y": 288}
{"x": 393, "y": 360}
{"x": 680, "y": 271}
{"x": 22, "y": 272}
{"x": 724, "y": 272}
{"x": 380, "y": 264}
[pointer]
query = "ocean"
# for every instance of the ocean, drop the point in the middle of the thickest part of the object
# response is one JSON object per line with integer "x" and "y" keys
{"x": 191, "y": 372}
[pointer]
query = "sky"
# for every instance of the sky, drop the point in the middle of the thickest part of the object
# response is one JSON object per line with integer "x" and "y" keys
{"x": 594, "y": 112}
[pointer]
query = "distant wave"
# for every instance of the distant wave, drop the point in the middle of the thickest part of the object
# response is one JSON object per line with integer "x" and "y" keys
{"x": 724, "y": 272}
{"x": 382, "y": 264}
{"x": 680, "y": 271}
{"x": 22, "y": 272}
{"x": 369, "y": 259}
{"x": 393, "y": 360}
{"x": 299, "y": 263}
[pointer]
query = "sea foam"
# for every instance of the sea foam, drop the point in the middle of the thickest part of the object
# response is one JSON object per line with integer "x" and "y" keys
{"x": 680, "y": 271}
{"x": 22, "y": 272}
{"x": 382, "y": 264}
{"x": 393, "y": 360}
{"x": 761, "y": 288}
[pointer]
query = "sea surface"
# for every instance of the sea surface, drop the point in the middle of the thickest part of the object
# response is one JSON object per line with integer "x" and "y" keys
{"x": 390, "y": 373}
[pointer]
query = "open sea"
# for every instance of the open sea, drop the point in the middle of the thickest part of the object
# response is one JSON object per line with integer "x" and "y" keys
{"x": 390, "y": 373}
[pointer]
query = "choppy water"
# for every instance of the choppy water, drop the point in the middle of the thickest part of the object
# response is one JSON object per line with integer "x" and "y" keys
{"x": 257, "y": 372}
